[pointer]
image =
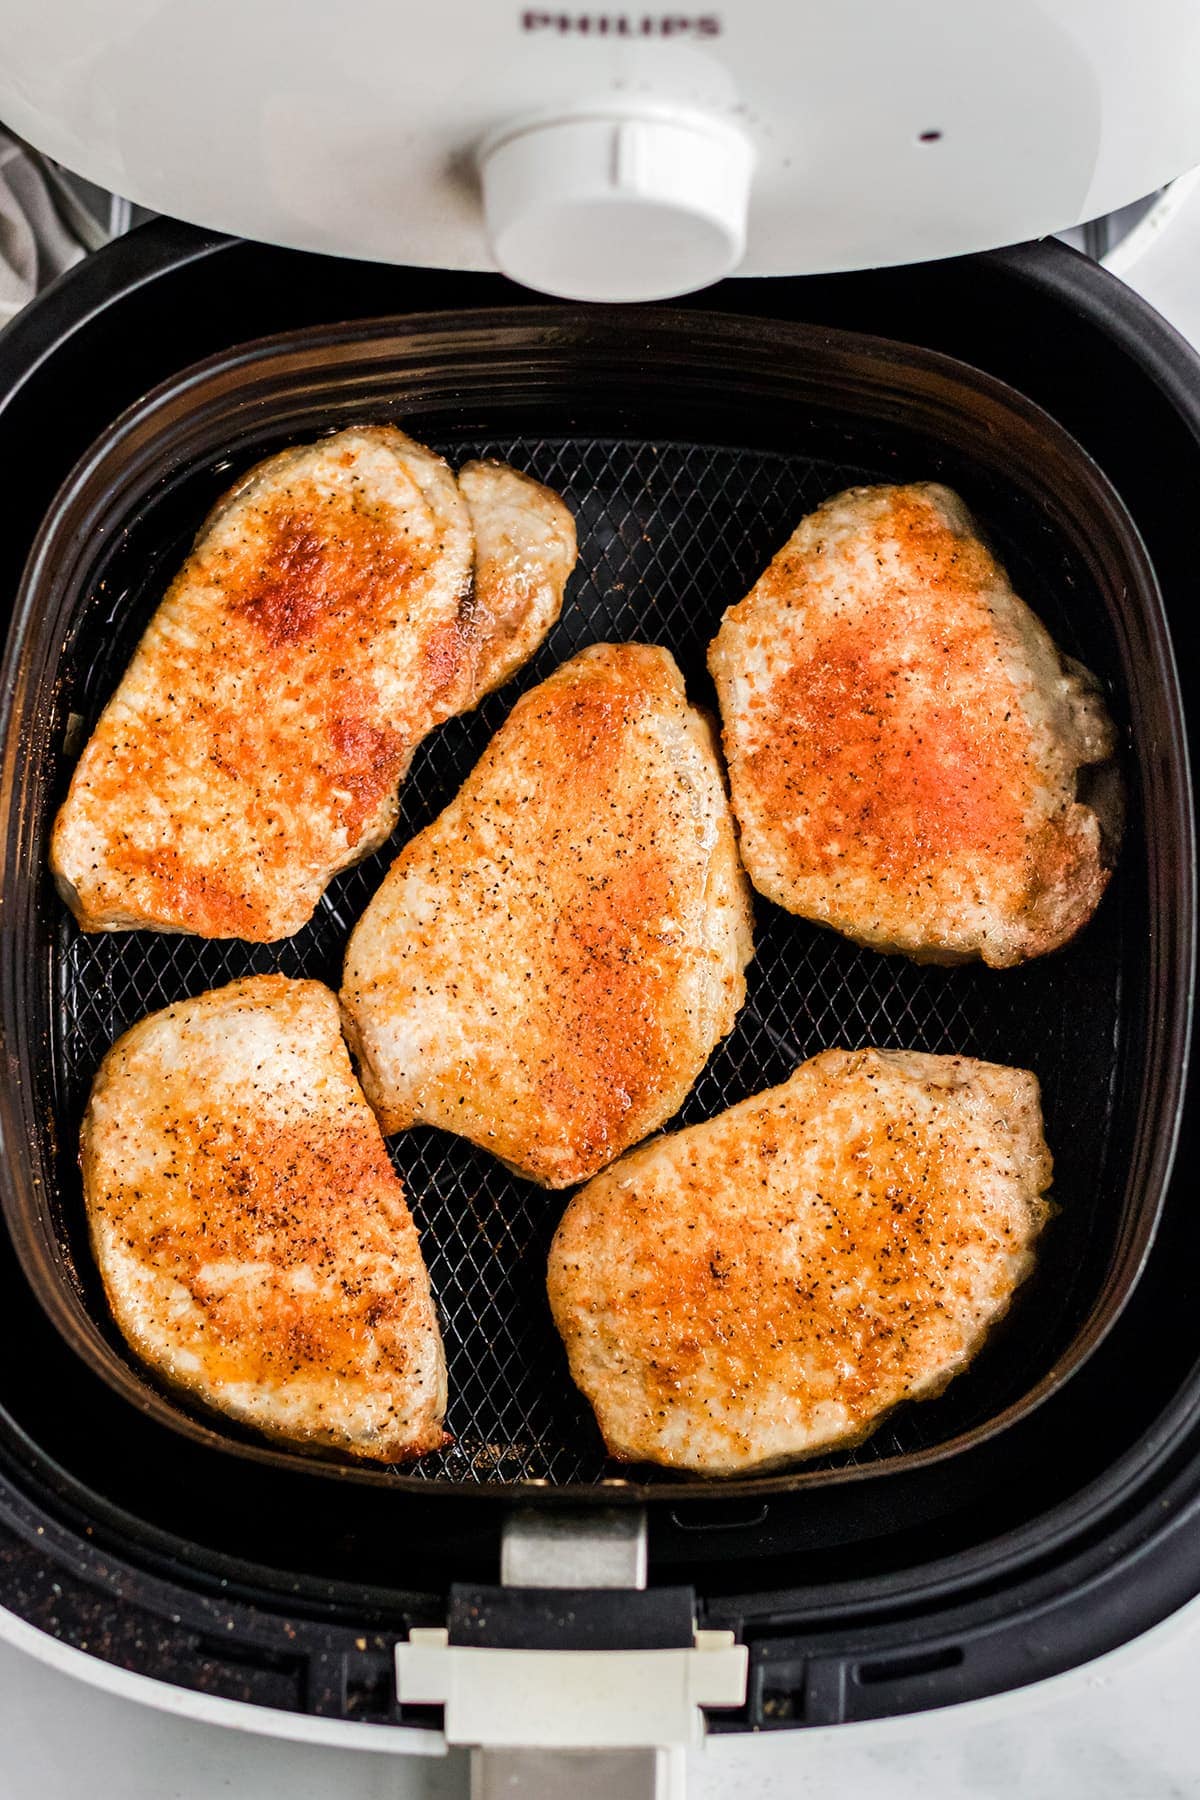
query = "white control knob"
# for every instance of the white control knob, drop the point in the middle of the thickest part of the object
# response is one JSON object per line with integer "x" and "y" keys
{"x": 605, "y": 206}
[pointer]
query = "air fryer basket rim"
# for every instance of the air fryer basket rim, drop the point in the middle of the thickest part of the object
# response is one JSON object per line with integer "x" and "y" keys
{"x": 531, "y": 328}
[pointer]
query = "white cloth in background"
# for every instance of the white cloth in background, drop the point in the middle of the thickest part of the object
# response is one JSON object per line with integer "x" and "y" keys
{"x": 35, "y": 245}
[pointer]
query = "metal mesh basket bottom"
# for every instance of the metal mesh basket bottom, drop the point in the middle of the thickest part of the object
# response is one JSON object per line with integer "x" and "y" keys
{"x": 670, "y": 533}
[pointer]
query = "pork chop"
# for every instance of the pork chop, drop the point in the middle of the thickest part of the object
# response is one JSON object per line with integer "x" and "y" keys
{"x": 524, "y": 551}
{"x": 323, "y": 624}
{"x": 252, "y": 1235}
{"x": 547, "y": 967}
{"x": 769, "y": 1284}
{"x": 905, "y": 742}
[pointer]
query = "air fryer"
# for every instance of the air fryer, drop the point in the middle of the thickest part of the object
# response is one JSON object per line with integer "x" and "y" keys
{"x": 936, "y": 1578}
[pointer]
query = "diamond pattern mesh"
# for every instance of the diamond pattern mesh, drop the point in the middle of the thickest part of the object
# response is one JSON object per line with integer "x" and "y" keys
{"x": 669, "y": 535}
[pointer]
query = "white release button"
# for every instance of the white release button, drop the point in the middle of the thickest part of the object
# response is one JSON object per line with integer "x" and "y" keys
{"x": 634, "y": 207}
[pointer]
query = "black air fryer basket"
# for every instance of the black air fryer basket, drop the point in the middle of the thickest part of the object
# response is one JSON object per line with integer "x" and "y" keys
{"x": 688, "y": 444}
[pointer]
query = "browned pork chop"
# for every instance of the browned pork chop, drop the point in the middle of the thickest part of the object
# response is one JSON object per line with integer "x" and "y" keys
{"x": 905, "y": 742}
{"x": 524, "y": 552}
{"x": 547, "y": 967}
{"x": 251, "y": 1232}
{"x": 323, "y": 624}
{"x": 769, "y": 1284}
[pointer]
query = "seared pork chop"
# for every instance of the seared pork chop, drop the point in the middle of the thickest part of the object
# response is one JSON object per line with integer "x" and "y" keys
{"x": 547, "y": 967}
{"x": 251, "y": 1232}
{"x": 323, "y": 624}
{"x": 524, "y": 552}
{"x": 769, "y": 1284}
{"x": 905, "y": 741}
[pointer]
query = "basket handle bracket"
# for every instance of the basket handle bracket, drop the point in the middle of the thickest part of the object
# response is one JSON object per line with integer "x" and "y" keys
{"x": 572, "y": 1678}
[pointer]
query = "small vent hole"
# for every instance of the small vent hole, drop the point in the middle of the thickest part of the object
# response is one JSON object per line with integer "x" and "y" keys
{"x": 903, "y": 1668}
{"x": 720, "y": 1516}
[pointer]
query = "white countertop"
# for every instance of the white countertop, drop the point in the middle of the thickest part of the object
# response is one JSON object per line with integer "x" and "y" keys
{"x": 1124, "y": 1728}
